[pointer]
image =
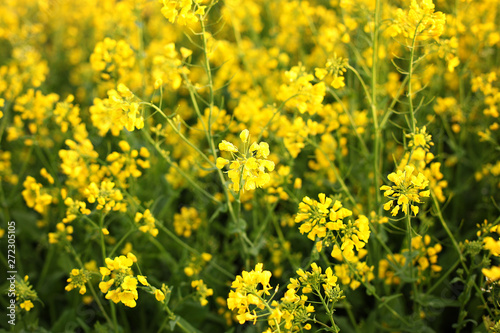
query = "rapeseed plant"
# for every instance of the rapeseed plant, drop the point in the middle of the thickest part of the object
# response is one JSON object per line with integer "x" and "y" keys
{"x": 215, "y": 138}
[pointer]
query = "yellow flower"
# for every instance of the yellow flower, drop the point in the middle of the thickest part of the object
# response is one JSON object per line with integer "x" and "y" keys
{"x": 159, "y": 295}
{"x": 187, "y": 221}
{"x": 250, "y": 166}
{"x": 78, "y": 278}
{"x": 492, "y": 273}
{"x": 105, "y": 285}
{"x": 420, "y": 21}
{"x": 122, "y": 287}
{"x": 25, "y": 293}
{"x": 34, "y": 195}
{"x": 202, "y": 291}
{"x": 146, "y": 222}
{"x": 338, "y": 82}
{"x": 142, "y": 279}
{"x": 406, "y": 192}
{"x": 249, "y": 290}
{"x": 227, "y": 146}
{"x": 27, "y": 305}
{"x": 106, "y": 195}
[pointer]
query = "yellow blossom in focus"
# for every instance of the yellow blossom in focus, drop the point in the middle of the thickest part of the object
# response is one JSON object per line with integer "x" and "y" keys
{"x": 122, "y": 278}
{"x": 249, "y": 166}
{"x": 406, "y": 192}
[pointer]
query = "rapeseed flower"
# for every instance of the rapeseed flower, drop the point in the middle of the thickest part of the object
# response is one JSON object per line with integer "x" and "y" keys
{"x": 249, "y": 166}
{"x": 420, "y": 22}
{"x": 406, "y": 192}
{"x": 250, "y": 289}
{"x": 146, "y": 222}
{"x": 118, "y": 280}
{"x": 25, "y": 295}
{"x": 106, "y": 195}
{"x": 77, "y": 280}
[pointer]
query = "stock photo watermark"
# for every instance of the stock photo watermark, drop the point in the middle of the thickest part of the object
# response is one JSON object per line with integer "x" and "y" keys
{"x": 11, "y": 272}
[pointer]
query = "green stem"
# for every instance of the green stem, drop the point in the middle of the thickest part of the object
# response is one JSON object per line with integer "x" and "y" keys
{"x": 3, "y": 203}
{"x": 15, "y": 191}
{"x": 92, "y": 290}
{"x": 167, "y": 158}
{"x": 410, "y": 264}
{"x": 335, "y": 171}
{"x": 351, "y": 120}
{"x": 208, "y": 131}
{"x": 327, "y": 308}
{"x": 46, "y": 266}
{"x": 376, "y": 144}
{"x": 270, "y": 311}
{"x": 179, "y": 133}
{"x": 192, "y": 250}
{"x": 370, "y": 289}
{"x": 363, "y": 84}
{"x": 410, "y": 90}
{"x": 103, "y": 246}
{"x": 131, "y": 230}
{"x": 390, "y": 108}
{"x": 350, "y": 314}
{"x": 113, "y": 315}
{"x": 448, "y": 231}
{"x": 6, "y": 115}
{"x": 443, "y": 277}
{"x": 457, "y": 248}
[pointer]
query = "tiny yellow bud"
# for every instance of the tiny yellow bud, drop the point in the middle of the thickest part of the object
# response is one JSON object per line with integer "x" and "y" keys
{"x": 244, "y": 136}
{"x": 158, "y": 83}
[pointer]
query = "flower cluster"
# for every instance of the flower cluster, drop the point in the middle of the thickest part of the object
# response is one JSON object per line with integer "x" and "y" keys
{"x": 35, "y": 196}
{"x": 75, "y": 209}
{"x": 315, "y": 280}
{"x": 406, "y": 192}
{"x": 355, "y": 272}
{"x": 146, "y": 222}
{"x": 182, "y": 11}
{"x": 6, "y": 174}
{"x": 187, "y": 221}
{"x": 118, "y": 281}
{"x": 324, "y": 223}
{"x": 110, "y": 57}
{"x": 250, "y": 289}
{"x": 424, "y": 256}
{"x": 249, "y": 166}
{"x": 25, "y": 295}
{"x": 125, "y": 165}
{"x": 120, "y": 109}
{"x": 337, "y": 67}
{"x": 420, "y": 22}
{"x": 107, "y": 196}
{"x": 167, "y": 67}
{"x": 63, "y": 232}
{"x": 317, "y": 217}
{"x": 202, "y": 291}
{"x": 352, "y": 235}
{"x": 300, "y": 93}
{"x": 420, "y": 143}
{"x": 196, "y": 263}
{"x": 77, "y": 280}
{"x": 293, "y": 311}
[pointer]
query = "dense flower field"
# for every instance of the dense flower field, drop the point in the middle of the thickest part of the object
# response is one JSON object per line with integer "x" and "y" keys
{"x": 250, "y": 165}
